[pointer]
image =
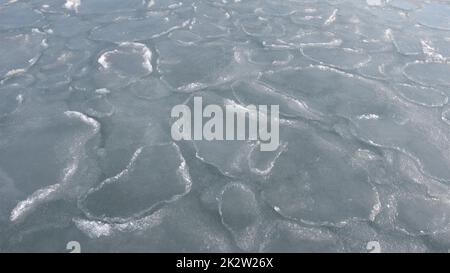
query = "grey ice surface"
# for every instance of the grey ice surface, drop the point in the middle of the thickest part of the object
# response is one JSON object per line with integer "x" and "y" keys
{"x": 86, "y": 89}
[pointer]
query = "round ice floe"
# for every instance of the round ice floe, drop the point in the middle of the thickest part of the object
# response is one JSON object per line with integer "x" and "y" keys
{"x": 240, "y": 213}
{"x": 344, "y": 58}
{"x": 434, "y": 15}
{"x": 155, "y": 175}
{"x": 128, "y": 59}
{"x": 123, "y": 65}
{"x": 425, "y": 96}
{"x": 18, "y": 52}
{"x": 304, "y": 184}
{"x": 428, "y": 73}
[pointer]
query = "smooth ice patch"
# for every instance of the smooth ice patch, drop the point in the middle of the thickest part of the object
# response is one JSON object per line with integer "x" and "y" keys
{"x": 18, "y": 15}
{"x": 420, "y": 215}
{"x": 189, "y": 68}
{"x": 169, "y": 180}
{"x": 428, "y": 73}
{"x": 434, "y": 15}
{"x": 425, "y": 96}
{"x": 405, "y": 42}
{"x": 304, "y": 184}
{"x": 149, "y": 89}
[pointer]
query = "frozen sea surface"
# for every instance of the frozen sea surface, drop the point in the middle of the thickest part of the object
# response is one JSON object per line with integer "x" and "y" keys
{"x": 86, "y": 90}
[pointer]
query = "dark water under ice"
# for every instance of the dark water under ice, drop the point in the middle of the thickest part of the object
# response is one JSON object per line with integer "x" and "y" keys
{"x": 86, "y": 155}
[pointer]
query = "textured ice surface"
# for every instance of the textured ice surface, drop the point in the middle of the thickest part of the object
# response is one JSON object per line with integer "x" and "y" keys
{"x": 343, "y": 58}
{"x": 240, "y": 213}
{"x": 259, "y": 94}
{"x": 19, "y": 51}
{"x": 86, "y": 91}
{"x": 132, "y": 29}
{"x": 285, "y": 236}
